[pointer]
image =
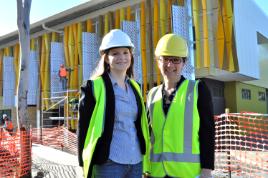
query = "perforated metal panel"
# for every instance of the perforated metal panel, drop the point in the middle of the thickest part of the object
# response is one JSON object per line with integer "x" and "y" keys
{"x": 33, "y": 79}
{"x": 57, "y": 58}
{"x": 90, "y": 51}
{"x": 131, "y": 28}
{"x": 8, "y": 82}
{"x": 180, "y": 26}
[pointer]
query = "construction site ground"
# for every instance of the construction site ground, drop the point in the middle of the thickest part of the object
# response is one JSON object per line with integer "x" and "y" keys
{"x": 48, "y": 162}
{"x": 52, "y": 163}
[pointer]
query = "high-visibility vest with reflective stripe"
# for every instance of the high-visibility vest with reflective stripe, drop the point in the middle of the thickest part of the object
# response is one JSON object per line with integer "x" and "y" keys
{"x": 96, "y": 125}
{"x": 175, "y": 144}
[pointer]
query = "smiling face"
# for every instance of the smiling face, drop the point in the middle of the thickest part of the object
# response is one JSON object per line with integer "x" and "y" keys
{"x": 170, "y": 67}
{"x": 119, "y": 59}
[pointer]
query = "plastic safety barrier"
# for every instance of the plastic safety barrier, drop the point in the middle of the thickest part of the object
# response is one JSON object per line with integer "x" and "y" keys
{"x": 241, "y": 145}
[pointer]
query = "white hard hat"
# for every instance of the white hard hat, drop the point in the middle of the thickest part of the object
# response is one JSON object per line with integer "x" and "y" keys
{"x": 4, "y": 115}
{"x": 115, "y": 38}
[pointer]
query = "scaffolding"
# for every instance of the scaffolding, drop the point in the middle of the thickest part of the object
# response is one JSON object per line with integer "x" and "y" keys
{"x": 62, "y": 109}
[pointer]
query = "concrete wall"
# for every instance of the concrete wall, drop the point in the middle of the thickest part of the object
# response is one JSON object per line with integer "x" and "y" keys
{"x": 252, "y": 105}
{"x": 230, "y": 96}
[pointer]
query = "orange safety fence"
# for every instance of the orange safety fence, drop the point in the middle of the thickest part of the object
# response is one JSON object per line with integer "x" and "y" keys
{"x": 15, "y": 153}
{"x": 56, "y": 137}
{"x": 241, "y": 145}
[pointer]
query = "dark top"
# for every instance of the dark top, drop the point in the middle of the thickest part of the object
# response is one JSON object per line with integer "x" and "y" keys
{"x": 207, "y": 125}
{"x": 86, "y": 107}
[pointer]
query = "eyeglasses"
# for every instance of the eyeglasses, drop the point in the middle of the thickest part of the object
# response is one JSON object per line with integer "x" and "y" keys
{"x": 174, "y": 60}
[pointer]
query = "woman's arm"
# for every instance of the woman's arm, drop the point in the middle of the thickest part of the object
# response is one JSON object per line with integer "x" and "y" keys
{"x": 86, "y": 107}
{"x": 207, "y": 127}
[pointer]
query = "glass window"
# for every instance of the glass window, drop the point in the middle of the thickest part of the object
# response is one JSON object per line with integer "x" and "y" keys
{"x": 246, "y": 94}
{"x": 261, "y": 96}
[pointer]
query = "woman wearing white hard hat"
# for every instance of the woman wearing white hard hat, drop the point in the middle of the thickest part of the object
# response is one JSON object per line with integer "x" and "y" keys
{"x": 113, "y": 130}
{"x": 181, "y": 117}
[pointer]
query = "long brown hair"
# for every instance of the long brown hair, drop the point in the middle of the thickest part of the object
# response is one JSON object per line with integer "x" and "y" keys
{"x": 103, "y": 66}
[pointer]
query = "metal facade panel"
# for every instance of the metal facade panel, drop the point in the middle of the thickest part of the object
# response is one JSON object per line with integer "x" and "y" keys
{"x": 33, "y": 74}
{"x": 8, "y": 81}
{"x": 180, "y": 26}
{"x": 131, "y": 28}
{"x": 57, "y": 58}
{"x": 90, "y": 53}
{"x": 246, "y": 36}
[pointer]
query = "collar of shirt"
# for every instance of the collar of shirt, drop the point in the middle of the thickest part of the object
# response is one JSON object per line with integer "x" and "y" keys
{"x": 177, "y": 86}
{"x": 114, "y": 83}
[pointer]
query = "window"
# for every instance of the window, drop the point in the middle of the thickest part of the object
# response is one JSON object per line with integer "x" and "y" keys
{"x": 261, "y": 96}
{"x": 246, "y": 94}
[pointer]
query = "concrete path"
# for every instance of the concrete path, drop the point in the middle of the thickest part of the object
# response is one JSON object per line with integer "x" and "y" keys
{"x": 52, "y": 163}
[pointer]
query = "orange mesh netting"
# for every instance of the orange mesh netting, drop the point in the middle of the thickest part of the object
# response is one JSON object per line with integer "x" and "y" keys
{"x": 15, "y": 153}
{"x": 57, "y": 137}
{"x": 241, "y": 145}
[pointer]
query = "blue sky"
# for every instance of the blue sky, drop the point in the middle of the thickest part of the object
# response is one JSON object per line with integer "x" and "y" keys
{"x": 44, "y": 8}
{"x": 40, "y": 9}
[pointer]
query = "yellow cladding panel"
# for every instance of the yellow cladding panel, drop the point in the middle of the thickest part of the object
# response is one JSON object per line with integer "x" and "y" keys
{"x": 196, "y": 21}
{"x": 16, "y": 64}
{"x": 32, "y": 44}
{"x": 89, "y": 26}
{"x": 71, "y": 52}
{"x": 117, "y": 19}
{"x": 129, "y": 17}
{"x": 206, "y": 53}
{"x": 229, "y": 37}
{"x": 122, "y": 15}
{"x": 143, "y": 48}
{"x": 7, "y": 51}
{"x": 220, "y": 40}
{"x": 74, "y": 50}
{"x": 65, "y": 41}
{"x": 1, "y": 70}
{"x": 181, "y": 2}
{"x": 55, "y": 37}
{"x": 163, "y": 17}
{"x": 44, "y": 68}
{"x": 169, "y": 15}
{"x": 156, "y": 36}
{"x": 106, "y": 23}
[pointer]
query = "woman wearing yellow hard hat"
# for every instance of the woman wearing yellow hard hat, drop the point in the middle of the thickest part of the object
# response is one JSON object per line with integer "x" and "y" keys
{"x": 113, "y": 132}
{"x": 181, "y": 117}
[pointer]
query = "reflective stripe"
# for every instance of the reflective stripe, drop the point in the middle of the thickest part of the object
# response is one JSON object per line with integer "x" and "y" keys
{"x": 150, "y": 106}
{"x": 188, "y": 118}
{"x": 150, "y": 100}
{"x": 187, "y": 156}
{"x": 178, "y": 157}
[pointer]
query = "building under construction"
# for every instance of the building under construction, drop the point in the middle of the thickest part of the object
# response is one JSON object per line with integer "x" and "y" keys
{"x": 228, "y": 43}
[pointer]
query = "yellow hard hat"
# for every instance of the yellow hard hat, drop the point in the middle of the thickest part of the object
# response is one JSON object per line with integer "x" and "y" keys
{"x": 171, "y": 45}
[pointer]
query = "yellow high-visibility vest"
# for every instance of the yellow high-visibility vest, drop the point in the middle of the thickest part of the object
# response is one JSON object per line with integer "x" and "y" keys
{"x": 96, "y": 125}
{"x": 174, "y": 139}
